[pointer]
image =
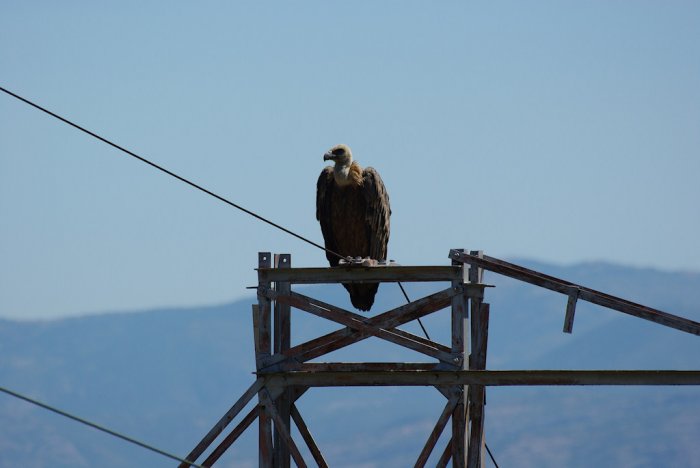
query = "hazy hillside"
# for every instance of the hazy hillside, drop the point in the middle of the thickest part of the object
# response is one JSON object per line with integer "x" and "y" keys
{"x": 166, "y": 376}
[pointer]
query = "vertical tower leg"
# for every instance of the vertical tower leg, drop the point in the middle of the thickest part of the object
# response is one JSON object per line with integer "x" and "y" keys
{"x": 282, "y": 339}
{"x": 460, "y": 415}
{"x": 477, "y": 361}
{"x": 477, "y": 393}
{"x": 263, "y": 344}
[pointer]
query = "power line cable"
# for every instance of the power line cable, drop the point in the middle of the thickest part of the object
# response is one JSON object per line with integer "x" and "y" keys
{"x": 97, "y": 426}
{"x": 428, "y": 337}
{"x": 182, "y": 179}
{"x": 208, "y": 192}
{"x": 491, "y": 455}
{"x": 170, "y": 173}
{"x": 419, "y": 320}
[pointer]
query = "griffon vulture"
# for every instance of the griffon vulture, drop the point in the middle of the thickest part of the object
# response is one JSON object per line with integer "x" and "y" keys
{"x": 353, "y": 208}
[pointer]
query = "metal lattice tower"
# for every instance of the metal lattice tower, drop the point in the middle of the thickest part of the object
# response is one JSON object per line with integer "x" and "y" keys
{"x": 457, "y": 371}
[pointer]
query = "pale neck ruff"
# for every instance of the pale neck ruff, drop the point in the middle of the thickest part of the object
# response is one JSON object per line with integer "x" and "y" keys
{"x": 341, "y": 174}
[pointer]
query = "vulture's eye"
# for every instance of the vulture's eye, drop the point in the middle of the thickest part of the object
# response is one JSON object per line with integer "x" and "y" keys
{"x": 338, "y": 151}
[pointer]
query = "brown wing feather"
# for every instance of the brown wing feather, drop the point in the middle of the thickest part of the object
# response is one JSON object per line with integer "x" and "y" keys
{"x": 324, "y": 193}
{"x": 377, "y": 214}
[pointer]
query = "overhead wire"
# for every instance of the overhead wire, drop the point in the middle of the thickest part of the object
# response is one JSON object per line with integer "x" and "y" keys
{"x": 493, "y": 459}
{"x": 196, "y": 186}
{"x": 66, "y": 414}
{"x": 168, "y": 172}
{"x": 185, "y": 180}
{"x": 420, "y": 322}
{"x": 491, "y": 455}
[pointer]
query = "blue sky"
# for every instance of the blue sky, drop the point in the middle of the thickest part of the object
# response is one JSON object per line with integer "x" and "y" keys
{"x": 556, "y": 130}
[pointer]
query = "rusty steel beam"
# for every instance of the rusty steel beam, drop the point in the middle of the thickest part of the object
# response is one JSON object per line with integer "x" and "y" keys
{"x": 359, "y": 323}
{"x": 282, "y": 427}
{"x": 347, "y": 336}
{"x": 360, "y": 274}
{"x": 487, "y": 378}
{"x": 308, "y": 438}
{"x": 224, "y": 421}
{"x": 582, "y": 293}
{"x": 232, "y": 437}
{"x": 436, "y": 432}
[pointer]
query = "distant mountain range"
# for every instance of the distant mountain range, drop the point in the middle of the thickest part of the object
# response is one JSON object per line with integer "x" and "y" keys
{"x": 166, "y": 376}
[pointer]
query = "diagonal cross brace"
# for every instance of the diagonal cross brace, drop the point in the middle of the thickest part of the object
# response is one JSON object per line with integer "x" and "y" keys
{"x": 268, "y": 406}
{"x": 359, "y": 323}
{"x": 373, "y": 326}
{"x": 437, "y": 431}
{"x": 308, "y": 438}
{"x": 331, "y": 309}
{"x": 225, "y": 420}
{"x": 232, "y": 437}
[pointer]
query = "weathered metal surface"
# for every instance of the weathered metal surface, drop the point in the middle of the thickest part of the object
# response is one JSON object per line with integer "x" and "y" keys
{"x": 232, "y": 437}
{"x": 444, "y": 390}
{"x": 265, "y": 455}
{"x": 476, "y": 274}
{"x": 257, "y": 325}
{"x": 460, "y": 417}
{"x": 359, "y": 323}
{"x": 479, "y": 333}
{"x": 488, "y": 378}
{"x": 477, "y": 395}
{"x": 647, "y": 313}
{"x": 324, "y": 306}
{"x": 459, "y": 313}
{"x": 282, "y": 427}
{"x": 264, "y": 341}
{"x": 460, "y": 351}
{"x": 446, "y": 455}
{"x": 282, "y": 328}
{"x": 425, "y": 341}
{"x": 586, "y": 294}
{"x": 388, "y": 320}
{"x": 476, "y": 434}
{"x": 368, "y": 366}
{"x": 361, "y": 274}
{"x": 308, "y": 438}
{"x": 264, "y": 330}
{"x": 571, "y": 310}
{"x": 225, "y": 421}
{"x": 281, "y": 342}
{"x": 287, "y": 374}
{"x": 436, "y": 432}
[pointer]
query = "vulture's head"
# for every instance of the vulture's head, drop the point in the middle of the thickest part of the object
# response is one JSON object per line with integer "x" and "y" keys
{"x": 340, "y": 154}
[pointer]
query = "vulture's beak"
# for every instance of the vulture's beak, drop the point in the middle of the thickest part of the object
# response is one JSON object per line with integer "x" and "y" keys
{"x": 329, "y": 156}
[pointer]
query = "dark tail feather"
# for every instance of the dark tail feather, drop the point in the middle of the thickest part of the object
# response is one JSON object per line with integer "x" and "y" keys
{"x": 362, "y": 295}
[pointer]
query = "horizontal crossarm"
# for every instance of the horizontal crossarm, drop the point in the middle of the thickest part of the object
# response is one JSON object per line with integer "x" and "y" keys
{"x": 361, "y": 274}
{"x": 488, "y": 378}
{"x": 369, "y": 366}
